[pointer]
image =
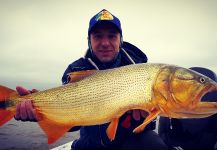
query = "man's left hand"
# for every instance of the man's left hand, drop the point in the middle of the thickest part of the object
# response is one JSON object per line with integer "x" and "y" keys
{"x": 138, "y": 114}
{"x": 135, "y": 114}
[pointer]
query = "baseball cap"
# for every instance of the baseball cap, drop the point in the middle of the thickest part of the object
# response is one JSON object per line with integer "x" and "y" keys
{"x": 104, "y": 16}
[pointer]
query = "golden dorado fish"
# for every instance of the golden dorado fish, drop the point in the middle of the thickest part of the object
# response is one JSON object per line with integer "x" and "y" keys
{"x": 97, "y": 97}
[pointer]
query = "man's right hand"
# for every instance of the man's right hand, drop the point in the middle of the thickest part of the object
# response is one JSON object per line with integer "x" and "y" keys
{"x": 25, "y": 110}
{"x": 133, "y": 114}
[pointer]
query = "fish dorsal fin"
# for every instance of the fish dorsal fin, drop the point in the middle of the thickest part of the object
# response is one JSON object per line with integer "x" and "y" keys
{"x": 77, "y": 76}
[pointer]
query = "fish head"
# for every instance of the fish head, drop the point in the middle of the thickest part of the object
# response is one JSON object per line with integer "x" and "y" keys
{"x": 180, "y": 90}
{"x": 188, "y": 87}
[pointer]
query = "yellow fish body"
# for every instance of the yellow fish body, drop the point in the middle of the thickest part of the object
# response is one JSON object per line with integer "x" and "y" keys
{"x": 103, "y": 96}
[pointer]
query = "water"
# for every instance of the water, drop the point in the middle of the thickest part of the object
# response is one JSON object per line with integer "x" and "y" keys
{"x": 18, "y": 135}
{"x": 28, "y": 135}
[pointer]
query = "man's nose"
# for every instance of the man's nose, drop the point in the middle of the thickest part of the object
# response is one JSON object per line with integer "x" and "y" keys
{"x": 105, "y": 41}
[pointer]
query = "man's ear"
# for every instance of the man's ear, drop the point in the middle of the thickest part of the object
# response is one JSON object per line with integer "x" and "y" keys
{"x": 121, "y": 41}
{"x": 89, "y": 43}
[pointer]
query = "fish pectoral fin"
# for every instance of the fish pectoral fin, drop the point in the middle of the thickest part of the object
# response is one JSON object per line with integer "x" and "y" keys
{"x": 147, "y": 120}
{"x": 77, "y": 76}
{"x": 112, "y": 128}
{"x": 54, "y": 130}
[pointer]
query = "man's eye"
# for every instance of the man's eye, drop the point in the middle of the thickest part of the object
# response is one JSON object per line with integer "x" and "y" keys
{"x": 112, "y": 36}
{"x": 97, "y": 36}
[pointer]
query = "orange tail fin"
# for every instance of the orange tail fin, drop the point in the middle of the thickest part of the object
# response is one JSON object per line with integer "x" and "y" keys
{"x": 6, "y": 113}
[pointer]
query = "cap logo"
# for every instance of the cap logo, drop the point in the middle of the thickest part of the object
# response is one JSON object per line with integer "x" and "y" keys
{"x": 104, "y": 15}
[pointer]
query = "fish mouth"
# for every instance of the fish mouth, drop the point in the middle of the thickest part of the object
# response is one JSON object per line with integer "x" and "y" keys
{"x": 206, "y": 106}
{"x": 203, "y": 105}
{"x": 210, "y": 95}
{"x": 194, "y": 114}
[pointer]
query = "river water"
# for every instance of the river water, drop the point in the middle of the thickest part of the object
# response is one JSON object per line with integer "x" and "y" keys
{"x": 20, "y": 135}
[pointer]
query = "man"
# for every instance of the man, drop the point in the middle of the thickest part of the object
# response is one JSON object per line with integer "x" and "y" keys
{"x": 107, "y": 50}
{"x": 192, "y": 134}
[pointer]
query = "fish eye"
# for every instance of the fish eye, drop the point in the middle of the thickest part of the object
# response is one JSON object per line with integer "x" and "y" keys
{"x": 202, "y": 80}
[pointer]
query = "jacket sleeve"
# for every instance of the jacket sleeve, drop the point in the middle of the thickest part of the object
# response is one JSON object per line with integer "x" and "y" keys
{"x": 164, "y": 129}
{"x": 210, "y": 134}
{"x": 210, "y": 131}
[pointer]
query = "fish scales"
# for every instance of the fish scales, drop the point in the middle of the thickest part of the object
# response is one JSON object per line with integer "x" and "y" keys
{"x": 100, "y": 96}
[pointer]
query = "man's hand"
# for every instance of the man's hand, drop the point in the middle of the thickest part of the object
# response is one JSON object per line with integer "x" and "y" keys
{"x": 136, "y": 115}
{"x": 25, "y": 110}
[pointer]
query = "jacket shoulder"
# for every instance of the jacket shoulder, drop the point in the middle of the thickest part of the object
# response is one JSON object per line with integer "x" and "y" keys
{"x": 138, "y": 55}
{"x": 78, "y": 65}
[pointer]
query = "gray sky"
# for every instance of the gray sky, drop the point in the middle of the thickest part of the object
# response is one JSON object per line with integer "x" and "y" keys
{"x": 38, "y": 39}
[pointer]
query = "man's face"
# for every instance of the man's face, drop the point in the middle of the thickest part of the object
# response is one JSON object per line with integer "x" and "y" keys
{"x": 105, "y": 42}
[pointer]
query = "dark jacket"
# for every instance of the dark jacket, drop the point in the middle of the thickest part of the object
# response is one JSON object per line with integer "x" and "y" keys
{"x": 93, "y": 137}
{"x": 197, "y": 134}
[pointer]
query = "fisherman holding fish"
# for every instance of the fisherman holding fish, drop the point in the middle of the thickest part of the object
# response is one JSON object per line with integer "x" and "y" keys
{"x": 106, "y": 50}
{"x": 105, "y": 92}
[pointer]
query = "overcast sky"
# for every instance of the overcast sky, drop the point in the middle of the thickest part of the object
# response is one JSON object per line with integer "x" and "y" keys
{"x": 39, "y": 38}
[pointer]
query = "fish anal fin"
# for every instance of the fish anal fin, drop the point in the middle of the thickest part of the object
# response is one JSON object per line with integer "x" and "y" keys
{"x": 53, "y": 129}
{"x": 147, "y": 120}
{"x": 112, "y": 128}
{"x": 77, "y": 76}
